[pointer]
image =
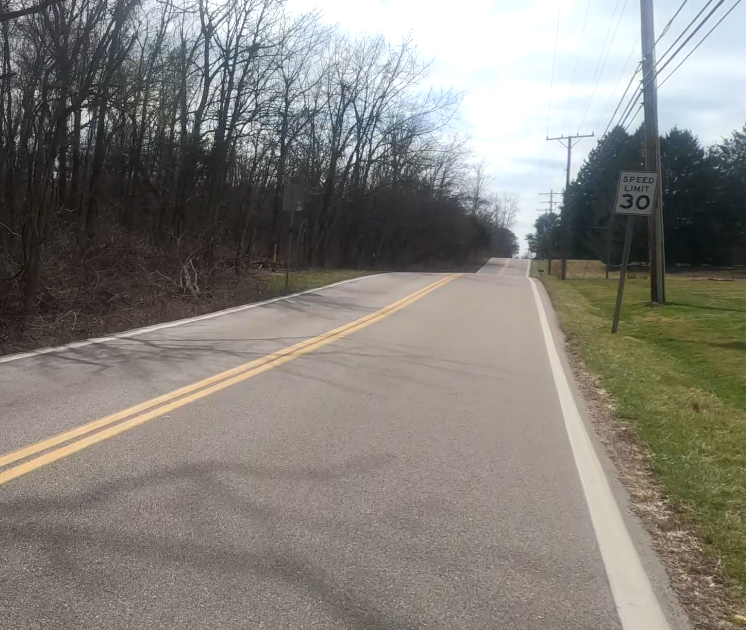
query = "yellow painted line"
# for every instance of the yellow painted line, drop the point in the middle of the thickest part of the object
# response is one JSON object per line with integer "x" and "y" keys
{"x": 161, "y": 405}
{"x": 504, "y": 267}
{"x": 66, "y": 436}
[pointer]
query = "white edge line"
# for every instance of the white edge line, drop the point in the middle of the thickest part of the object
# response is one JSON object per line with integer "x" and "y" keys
{"x": 177, "y": 322}
{"x": 633, "y": 594}
{"x": 528, "y": 269}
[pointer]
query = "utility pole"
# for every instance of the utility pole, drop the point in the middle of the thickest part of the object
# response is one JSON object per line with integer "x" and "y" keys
{"x": 293, "y": 196}
{"x": 653, "y": 154}
{"x": 547, "y": 236}
{"x": 569, "y": 142}
{"x": 551, "y": 194}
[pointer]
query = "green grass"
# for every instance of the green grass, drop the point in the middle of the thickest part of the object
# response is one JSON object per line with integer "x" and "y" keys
{"x": 575, "y": 268}
{"x": 678, "y": 376}
{"x": 307, "y": 279}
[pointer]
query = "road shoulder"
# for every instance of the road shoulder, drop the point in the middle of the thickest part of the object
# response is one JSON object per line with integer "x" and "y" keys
{"x": 589, "y": 413}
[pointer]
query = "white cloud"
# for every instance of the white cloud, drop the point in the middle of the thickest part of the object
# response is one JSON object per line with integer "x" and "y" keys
{"x": 500, "y": 53}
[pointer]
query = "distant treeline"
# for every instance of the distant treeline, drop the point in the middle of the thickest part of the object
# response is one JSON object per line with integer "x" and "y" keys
{"x": 704, "y": 202}
{"x": 180, "y": 121}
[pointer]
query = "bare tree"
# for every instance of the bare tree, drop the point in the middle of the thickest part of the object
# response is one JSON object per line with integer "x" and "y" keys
{"x": 478, "y": 187}
{"x": 504, "y": 206}
{"x": 181, "y": 121}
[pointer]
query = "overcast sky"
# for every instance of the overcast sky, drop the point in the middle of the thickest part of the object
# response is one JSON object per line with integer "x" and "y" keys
{"x": 500, "y": 53}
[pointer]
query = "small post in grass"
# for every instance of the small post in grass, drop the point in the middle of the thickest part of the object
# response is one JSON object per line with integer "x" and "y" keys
{"x": 635, "y": 196}
{"x": 623, "y": 272}
{"x": 293, "y": 196}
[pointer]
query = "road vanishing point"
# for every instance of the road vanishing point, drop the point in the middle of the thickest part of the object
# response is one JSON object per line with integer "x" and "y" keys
{"x": 395, "y": 452}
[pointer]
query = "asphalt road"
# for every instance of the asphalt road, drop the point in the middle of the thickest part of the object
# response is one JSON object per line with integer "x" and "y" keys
{"x": 412, "y": 470}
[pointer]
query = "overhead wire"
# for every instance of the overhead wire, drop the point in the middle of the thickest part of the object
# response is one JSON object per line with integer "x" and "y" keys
{"x": 624, "y": 94}
{"x": 621, "y": 100}
{"x": 665, "y": 30}
{"x": 691, "y": 52}
{"x": 688, "y": 26}
{"x": 670, "y": 22}
{"x": 632, "y": 120}
{"x": 577, "y": 59}
{"x": 554, "y": 62}
{"x": 619, "y": 81}
{"x": 606, "y": 58}
{"x": 630, "y": 110}
{"x": 606, "y": 40}
{"x": 659, "y": 67}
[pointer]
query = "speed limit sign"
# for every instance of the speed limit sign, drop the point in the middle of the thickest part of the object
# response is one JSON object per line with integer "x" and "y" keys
{"x": 636, "y": 192}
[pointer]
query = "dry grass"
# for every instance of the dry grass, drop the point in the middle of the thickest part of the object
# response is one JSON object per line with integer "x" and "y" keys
{"x": 123, "y": 285}
{"x": 588, "y": 269}
{"x": 575, "y": 268}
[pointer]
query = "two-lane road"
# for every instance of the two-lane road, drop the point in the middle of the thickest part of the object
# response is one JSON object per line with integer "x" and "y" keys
{"x": 393, "y": 452}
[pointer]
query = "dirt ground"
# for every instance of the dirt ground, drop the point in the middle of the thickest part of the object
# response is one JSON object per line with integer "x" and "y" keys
{"x": 122, "y": 285}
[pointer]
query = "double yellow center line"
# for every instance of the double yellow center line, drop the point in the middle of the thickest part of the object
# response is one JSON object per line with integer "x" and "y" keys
{"x": 60, "y": 446}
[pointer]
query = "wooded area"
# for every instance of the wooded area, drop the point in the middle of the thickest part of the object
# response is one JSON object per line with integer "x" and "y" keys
{"x": 704, "y": 202}
{"x": 176, "y": 123}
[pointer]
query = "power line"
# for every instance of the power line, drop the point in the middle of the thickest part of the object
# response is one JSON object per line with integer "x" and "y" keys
{"x": 688, "y": 39}
{"x": 636, "y": 97}
{"x": 688, "y": 26}
{"x": 577, "y": 58}
{"x": 629, "y": 110}
{"x": 660, "y": 68}
{"x": 665, "y": 30}
{"x": 619, "y": 82}
{"x": 554, "y": 62}
{"x": 608, "y": 52}
{"x": 632, "y": 100}
{"x": 638, "y": 93}
{"x": 606, "y": 39}
{"x": 691, "y": 52}
{"x": 551, "y": 201}
{"x": 670, "y": 22}
{"x": 571, "y": 142}
{"x": 621, "y": 100}
{"x": 637, "y": 113}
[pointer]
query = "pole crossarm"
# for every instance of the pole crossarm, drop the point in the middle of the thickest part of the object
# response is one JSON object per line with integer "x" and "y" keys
{"x": 568, "y": 142}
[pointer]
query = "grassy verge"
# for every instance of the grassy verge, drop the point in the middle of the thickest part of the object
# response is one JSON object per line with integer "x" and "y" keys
{"x": 307, "y": 279}
{"x": 677, "y": 375}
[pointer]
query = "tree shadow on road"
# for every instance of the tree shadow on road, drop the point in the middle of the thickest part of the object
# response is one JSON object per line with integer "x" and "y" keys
{"x": 95, "y": 560}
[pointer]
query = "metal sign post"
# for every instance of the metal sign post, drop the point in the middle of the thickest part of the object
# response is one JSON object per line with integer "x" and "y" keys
{"x": 635, "y": 195}
{"x": 292, "y": 202}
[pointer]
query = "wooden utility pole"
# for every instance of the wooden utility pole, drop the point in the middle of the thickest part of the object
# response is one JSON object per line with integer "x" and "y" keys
{"x": 623, "y": 272}
{"x": 569, "y": 142}
{"x": 653, "y": 154}
{"x": 293, "y": 197}
{"x": 547, "y": 237}
{"x": 551, "y": 194}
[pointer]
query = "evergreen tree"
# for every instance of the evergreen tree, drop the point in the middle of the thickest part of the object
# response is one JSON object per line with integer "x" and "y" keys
{"x": 692, "y": 213}
{"x": 729, "y": 162}
{"x": 590, "y": 199}
{"x": 544, "y": 242}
